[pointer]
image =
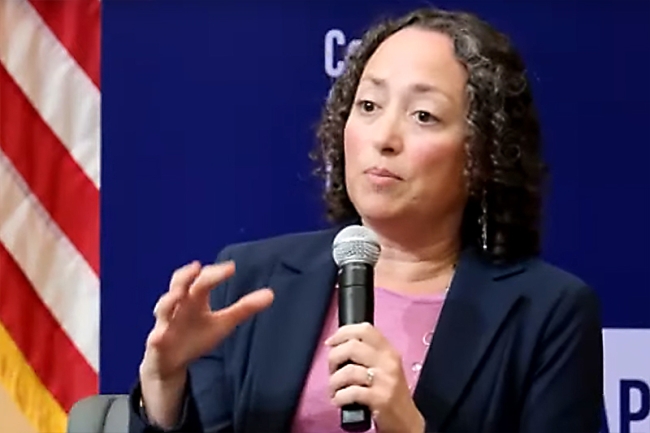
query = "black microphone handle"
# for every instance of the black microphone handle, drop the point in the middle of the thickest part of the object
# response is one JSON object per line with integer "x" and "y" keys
{"x": 356, "y": 305}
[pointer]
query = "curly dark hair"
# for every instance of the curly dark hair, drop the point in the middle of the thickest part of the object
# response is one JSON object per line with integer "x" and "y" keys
{"x": 505, "y": 170}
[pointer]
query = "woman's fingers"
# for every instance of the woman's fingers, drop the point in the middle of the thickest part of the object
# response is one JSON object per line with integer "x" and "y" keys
{"x": 355, "y": 351}
{"x": 209, "y": 277}
{"x": 184, "y": 313}
{"x": 248, "y": 305}
{"x": 350, "y": 374}
{"x": 163, "y": 311}
{"x": 183, "y": 277}
{"x": 190, "y": 279}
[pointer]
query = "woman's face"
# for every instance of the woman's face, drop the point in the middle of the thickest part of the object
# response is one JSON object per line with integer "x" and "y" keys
{"x": 404, "y": 140}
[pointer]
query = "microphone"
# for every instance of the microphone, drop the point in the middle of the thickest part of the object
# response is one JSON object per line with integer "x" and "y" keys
{"x": 355, "y": 250}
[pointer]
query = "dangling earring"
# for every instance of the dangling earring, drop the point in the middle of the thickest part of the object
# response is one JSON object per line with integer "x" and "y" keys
{"x": 483, "y": 220}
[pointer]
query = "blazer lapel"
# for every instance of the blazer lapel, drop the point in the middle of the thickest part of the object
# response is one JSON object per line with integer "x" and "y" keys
{"x": 469, "y": 320}
{"x": 287, "y": 334}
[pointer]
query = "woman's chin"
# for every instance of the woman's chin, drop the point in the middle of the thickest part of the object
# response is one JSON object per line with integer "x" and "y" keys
{"x": 378, "y": 212}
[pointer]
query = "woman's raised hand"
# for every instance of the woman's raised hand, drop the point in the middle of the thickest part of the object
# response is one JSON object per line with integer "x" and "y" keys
{"x": 186, "y": 327}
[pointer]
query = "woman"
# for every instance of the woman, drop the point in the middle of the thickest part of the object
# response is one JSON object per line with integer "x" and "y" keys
{"x": 429, "y": 138}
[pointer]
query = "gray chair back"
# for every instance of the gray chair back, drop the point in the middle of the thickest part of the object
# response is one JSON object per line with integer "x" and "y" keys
{"x": 100, "y": 414}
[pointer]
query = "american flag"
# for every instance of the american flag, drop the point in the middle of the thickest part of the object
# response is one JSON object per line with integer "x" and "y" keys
{"x": 49, "y": 209}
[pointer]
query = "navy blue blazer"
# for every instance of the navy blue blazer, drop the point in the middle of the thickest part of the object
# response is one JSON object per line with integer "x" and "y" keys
{"x": 517, "y": 348}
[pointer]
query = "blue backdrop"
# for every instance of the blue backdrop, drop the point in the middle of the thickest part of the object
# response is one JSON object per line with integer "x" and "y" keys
{"x": 209, "y": 111}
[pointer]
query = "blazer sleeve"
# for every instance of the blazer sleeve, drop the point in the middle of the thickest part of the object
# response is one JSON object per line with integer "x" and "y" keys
{"x": 207, "y": 402}
{"x": 566, "y": 388}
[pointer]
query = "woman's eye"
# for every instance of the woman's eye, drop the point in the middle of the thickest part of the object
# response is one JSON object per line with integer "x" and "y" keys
{"x": 367, "y": 106}
{"x": 425, "y": 117}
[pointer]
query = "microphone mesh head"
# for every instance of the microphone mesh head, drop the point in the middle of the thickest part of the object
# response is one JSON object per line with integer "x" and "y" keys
{"x": 355, "y": 244}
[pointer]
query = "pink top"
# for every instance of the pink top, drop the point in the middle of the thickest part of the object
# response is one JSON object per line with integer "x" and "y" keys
{"x": 407, "y": 321}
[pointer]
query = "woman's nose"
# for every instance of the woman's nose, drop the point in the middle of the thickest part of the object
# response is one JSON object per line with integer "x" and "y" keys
{"x": 387, "y": 134}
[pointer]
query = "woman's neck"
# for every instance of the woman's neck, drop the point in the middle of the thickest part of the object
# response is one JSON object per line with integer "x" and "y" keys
{"x": 413, "y": 261}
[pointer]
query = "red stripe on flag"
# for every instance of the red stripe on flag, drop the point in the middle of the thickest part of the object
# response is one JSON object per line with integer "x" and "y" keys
{"x": 45, "y": 345}
{"x": 76, "y": 23}
{"x": 46, "y": 165}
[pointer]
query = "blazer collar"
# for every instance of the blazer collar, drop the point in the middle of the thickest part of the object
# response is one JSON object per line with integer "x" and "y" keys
{"x": 477, "y": 304}
{"x": 287, "y": 333}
